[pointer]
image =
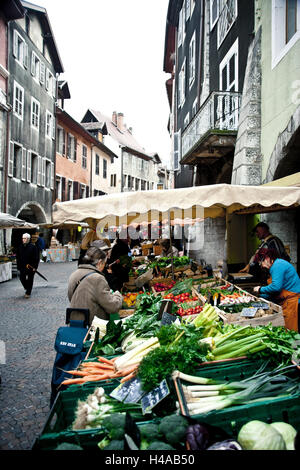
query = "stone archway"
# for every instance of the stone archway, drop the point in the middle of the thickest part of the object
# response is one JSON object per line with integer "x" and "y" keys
{"x": 32, "y": 212}
{"x": 285, "y": 160}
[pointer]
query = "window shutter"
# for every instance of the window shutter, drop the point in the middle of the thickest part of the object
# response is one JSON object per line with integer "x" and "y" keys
{"x": 64, "y": 142}
{"x": 42, "y": 73}
{"x": 29, "y": 166}
{"x": 54, "y": 87}
{"x": 25, "y": 56}
{"x": 15, "y": 44}
{"x": 63, "y": 189}
{"x": 52, "y": 176}
{"x": 24, "y": 164}
{"x": 47, "y": 80}
{"x": 39, "y": 172}
{"x": 75, "y": 149}
{"x": 53, "y": 126}
{"x": 75, "y": 190}
{"x": 32, "y": 63}
{"x": 43, "y": 179}
{"x": 11, "y": 159}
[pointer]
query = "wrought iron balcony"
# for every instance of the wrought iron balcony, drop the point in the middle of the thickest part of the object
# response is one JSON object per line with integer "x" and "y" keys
{"x": 218, "y": 116}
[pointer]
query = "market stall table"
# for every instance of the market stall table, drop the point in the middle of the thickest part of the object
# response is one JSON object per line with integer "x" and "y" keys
{"x": 5, "y": 271}
{"x": 57, "y": 255}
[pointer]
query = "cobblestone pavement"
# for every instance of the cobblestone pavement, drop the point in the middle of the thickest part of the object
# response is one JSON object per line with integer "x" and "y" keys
{"x": 28, "y": 328}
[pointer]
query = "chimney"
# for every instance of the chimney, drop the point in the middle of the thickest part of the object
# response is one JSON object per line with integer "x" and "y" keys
{"x": 120, "y": 119}
{"x": 114, "y": 118}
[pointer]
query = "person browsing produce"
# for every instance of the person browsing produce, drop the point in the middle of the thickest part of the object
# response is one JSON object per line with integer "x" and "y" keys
{"x": 88, "y": 288}
{"x": 283, "y": 288}
{"x": 167, "y": 249}
{"x": 268, "y": 241}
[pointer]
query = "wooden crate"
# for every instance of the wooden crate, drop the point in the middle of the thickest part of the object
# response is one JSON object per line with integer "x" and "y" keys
{"x": 157, "y": 250}
{"x": 276, "y": 319}
{"x": 124, "y": 312}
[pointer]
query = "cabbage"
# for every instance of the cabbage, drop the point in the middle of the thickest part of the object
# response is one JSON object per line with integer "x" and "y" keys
{"x": 288, "y": 433}
{"x": 256, "y": 435}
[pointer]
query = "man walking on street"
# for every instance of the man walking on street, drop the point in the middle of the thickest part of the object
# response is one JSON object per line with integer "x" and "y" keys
{"x": 27, "y": 263}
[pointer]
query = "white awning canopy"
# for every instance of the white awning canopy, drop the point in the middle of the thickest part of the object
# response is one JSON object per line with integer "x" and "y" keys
{"x": 193, "y": 202}
{"x": 8, "y": 221}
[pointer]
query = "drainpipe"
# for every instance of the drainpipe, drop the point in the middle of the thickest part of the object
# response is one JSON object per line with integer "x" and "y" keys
{"x": 91, "y": 171}
{"x": 200, "y": 51}
{"x": 6, "y": 157}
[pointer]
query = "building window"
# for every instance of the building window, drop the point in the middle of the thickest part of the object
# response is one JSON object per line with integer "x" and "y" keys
{"x": 35, "y": 114}
{"x": 192, "y": 60}
{"x": 104, "y": 168}
{"x": 58, "y": 188}
{"x": 143, "y": 185}
{"x": 227, "y": 17}
{"x": 176, "y": 150}
{"x": 50, "y": 83}
{"x": 17, "y": 161}
{"x": 194, "y": 108}
{"x": 186, "y": 120}
{"x": 61, "y": 141}
{"x": 72, "y": 148}
{"x": 18, "y": 100}
{"x": 82, "y": 191}
{"x": 34, "y": 168}
{"x": 113, "y": 180}
{"x": 214, "y": 12}
{"x": 97, "y": 164}
{"x": 48, "y": 174}
{"x": 187, "y": 9}
{"x": 285, "y": 27}
{"x": 70, "y": 190}
{"x": 137, "y": 184}
{"x": 20, "y": 49}
{"x": 181, "y": 85}
{"x": 84, "y": 156}
{"x": 229, "y": 70}
{"x": 50, "y": 127}
{"x": 35, "y": 66}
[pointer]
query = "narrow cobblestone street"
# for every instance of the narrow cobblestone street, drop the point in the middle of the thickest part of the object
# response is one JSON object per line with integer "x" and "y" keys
{"x": 28, "y": 328}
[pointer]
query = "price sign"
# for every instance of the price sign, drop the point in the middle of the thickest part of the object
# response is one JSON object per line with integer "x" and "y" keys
{"x": 151, "y": 399}
{"x": 168, "y": 318}
{"x": 122, "y": 391}
{"x": 249, "y": 312}
{"x": 262, "y": 305}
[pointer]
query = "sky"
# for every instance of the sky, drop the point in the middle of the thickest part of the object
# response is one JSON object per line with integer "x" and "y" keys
{"x": 112, "y": 53}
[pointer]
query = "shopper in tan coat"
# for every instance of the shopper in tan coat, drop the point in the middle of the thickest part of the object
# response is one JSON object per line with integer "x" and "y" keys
{"x": 88, "y": 288}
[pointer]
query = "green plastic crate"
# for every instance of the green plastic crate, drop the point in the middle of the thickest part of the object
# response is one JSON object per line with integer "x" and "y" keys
{"x": 231, "y": 419}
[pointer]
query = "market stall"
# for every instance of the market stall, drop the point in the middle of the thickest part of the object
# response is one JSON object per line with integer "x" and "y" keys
{"x": 178, "y": 368}
{"x": 7, "y": 261}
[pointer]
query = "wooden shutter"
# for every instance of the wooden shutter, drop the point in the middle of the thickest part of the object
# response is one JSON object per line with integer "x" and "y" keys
{"x": 39, "y": 170}
{"x": 54, "y": 87}
{"x": 24, "y": 164}
{"x": 11, "y": 159}
{"x": 75, "y": 150}
{"x": 47, "y": 80}
{"x": 63, "y": 142}
{"x": 43, "y": 176}
{"x": 68, "y": 145}
{"x": 15, "y": 43}
{"x": 63, "y": 189}
{"x": 52, "y": 176}
{"x": 25, "y": 55}
{"x": 32, "y": 64}
{"x": 75, "y": 190}
{"x": 29, "y": 166}
{"x": 42, "y": 73}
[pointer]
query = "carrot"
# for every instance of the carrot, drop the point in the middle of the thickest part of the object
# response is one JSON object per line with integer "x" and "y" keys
{"x": 73, "y": 381}
{"x": 103, "y": 359}
{"x": 128, "y": 370}
{"x": 128, "y": 377}
{"x": 76, "y": 372}
{"x": 100, "y": 366}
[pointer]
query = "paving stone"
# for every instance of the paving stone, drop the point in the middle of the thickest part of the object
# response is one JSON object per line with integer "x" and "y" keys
{"x": 28, "y": 328}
